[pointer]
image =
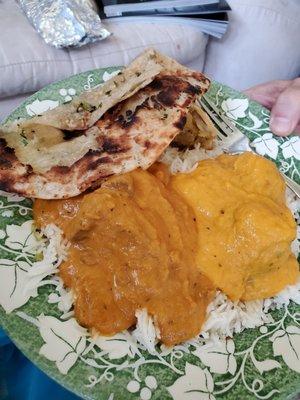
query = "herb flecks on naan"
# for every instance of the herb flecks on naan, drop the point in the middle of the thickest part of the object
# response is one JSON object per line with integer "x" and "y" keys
{"x": 58, "y": 155}
{"x": 86, "y": 109}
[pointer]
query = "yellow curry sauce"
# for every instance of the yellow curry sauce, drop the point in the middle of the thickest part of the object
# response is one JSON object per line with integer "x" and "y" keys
{"x": 133, "y": 246}
{"x": 245, "y": 229}
{"x": 155, "y": 241}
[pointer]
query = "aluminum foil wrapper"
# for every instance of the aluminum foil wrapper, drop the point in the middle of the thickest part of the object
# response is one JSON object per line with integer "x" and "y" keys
{"x": 64, "y": 23}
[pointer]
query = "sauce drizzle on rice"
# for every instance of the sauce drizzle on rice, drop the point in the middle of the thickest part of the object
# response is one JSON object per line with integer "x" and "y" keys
{"x": 133, "y": 247}
{"x": 136, "y": 244}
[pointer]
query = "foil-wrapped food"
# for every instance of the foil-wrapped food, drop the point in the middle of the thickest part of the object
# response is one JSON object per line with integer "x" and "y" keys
{"x": 64, "y": 23}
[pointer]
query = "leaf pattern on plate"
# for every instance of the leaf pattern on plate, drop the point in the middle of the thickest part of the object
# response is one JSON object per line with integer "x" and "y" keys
{"x": 38, "y": 107}
{"x": 235, "y": 108}
{"x": 107, "y": 76}
{"x": 64, "y": 341}
{"x": 13, "y": 279}
{"x": 266, "y": 145}
{"x": 21, "y": 238}
{"x": 218, "y": 356}
{"x": 266, "y": 365}
{"x": 11, "y": 197}
{"x": 117, "y": 346}
{"x": 197, "y": 383}
{"x": 291, "y": 148}
{"x": 286, "y": 343}
{"x": 117, "y": 367}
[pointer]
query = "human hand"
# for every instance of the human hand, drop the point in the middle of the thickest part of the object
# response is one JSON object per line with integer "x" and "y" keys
{"x": 283, "y": 99}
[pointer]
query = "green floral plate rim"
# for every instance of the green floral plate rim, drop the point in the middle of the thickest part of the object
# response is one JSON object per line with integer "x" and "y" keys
{"x": 261, "y": 363}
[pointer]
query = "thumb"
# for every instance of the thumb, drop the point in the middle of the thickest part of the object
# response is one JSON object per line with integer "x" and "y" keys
{"x": 285, "y": 114}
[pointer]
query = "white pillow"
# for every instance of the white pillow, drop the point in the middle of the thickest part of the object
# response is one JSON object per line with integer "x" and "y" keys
{"x": 27, "y": 63}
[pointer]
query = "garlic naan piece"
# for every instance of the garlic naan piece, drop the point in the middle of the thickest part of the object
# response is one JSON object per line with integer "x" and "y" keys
{"x": 67, "y": 150}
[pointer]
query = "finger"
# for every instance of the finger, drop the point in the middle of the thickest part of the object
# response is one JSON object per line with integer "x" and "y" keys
{"x": 267, "y": 93}
{"x": 285, "y": 114}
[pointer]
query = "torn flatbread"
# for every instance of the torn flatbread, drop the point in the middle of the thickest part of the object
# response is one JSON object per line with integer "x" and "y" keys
{"x": 43, "y": 159}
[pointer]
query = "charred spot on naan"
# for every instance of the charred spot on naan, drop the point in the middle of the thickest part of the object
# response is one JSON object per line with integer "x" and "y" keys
{"x": 7, "y": 155}
{"x": 70, "y": 135}
{"x": 169, "y": 89}
{"x": 180, "y": 123}
{"x": 112, "y": 145}
{"x": 127, "y": 123}
{"x": 12, "y": 171}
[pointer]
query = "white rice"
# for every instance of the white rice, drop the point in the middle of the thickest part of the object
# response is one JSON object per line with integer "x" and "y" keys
{"x": 224, "y": 317}
{"x": 146, "y": 333}
{"x": 187, "y": 161}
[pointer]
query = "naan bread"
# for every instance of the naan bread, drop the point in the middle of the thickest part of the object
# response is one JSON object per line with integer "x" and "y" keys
{"x": 86, "y": 109}
{"x": 65, "y": 151}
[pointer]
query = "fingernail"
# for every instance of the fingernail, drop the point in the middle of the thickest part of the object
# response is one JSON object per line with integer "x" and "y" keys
{"x": 280, "y": 125}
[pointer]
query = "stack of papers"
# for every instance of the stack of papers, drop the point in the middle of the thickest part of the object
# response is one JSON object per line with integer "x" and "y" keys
{"x": 209, "y": 15}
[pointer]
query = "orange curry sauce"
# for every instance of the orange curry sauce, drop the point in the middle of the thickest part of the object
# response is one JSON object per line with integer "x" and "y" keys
{"x": 164, "y": 243}
{"x": 133, "y": 246}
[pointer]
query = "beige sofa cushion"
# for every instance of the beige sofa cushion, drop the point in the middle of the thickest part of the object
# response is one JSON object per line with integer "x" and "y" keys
{"x": 262, "y": 43}
{"x": 27, "y": 63}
